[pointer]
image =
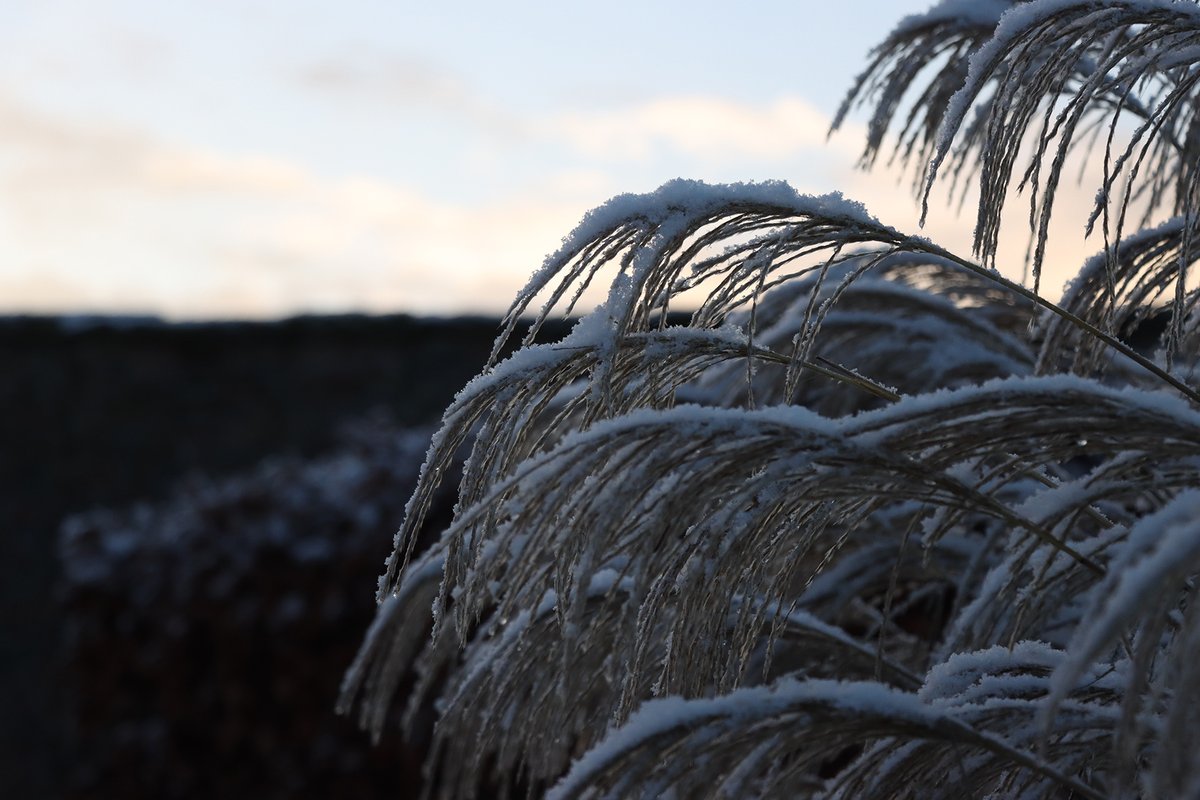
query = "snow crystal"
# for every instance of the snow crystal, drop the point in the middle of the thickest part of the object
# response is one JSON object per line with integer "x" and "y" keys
{"x": 659, "y": 717}
{"x": 1168, "y": 406}
{"x": 954, "y": 676}
{"x": 1056, "y": 500}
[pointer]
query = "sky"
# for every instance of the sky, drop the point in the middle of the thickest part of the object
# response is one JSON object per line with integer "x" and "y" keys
{"x": 254, "y": 159}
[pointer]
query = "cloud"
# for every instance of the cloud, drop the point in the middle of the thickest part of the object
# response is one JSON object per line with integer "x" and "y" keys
{"x": 112, "y": 220}
{"x": 404, "y": 78}
{"x": 708, "y": 128}
{"x": 198, "y": 170}
{"x": 46, "y": 291}
{"x": 374, "y": 245}
{"x": 409, "y": 83}
{"x": 697, "y": 126}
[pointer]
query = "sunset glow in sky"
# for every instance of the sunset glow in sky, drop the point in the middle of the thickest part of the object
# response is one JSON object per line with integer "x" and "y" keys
{"x": 256, "y": 159}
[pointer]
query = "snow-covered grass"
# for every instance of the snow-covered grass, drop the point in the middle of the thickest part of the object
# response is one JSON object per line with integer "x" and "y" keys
{"x": 876, "y": 521}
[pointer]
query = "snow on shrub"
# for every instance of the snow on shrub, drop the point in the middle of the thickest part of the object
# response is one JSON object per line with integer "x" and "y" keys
{"x": 206, "y": 634}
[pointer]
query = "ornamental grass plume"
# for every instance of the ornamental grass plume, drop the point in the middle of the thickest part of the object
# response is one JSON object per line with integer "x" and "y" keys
{"x": 872, "y": 520}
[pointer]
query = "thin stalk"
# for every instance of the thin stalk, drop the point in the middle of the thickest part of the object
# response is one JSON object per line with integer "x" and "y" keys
{"x": 1110, "y": 340}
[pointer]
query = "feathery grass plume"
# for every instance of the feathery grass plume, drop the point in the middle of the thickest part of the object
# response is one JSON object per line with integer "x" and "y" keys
{"x": 927, "y": 54}
{"x": 874, "y": 521}
{"x": 1130, "y": 289}
{"x": 1058, "y": 69}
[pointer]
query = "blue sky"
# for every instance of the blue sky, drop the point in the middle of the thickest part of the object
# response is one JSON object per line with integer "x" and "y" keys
{"x": 254, "y": 159}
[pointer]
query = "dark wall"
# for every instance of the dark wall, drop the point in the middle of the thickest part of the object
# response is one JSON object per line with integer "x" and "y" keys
{"x": 108, "y": 412}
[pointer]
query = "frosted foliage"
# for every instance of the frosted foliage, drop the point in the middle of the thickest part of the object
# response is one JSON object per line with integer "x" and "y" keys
{"x": 869, "y": 519}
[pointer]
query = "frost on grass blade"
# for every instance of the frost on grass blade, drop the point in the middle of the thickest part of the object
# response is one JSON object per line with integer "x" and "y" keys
{"x": 961, "y": 12}
{"x": 655, "y": 239}
{"x": 1160, "y": 554}
{"x": 913, "y": 73}
{"x": 791, "y": 727}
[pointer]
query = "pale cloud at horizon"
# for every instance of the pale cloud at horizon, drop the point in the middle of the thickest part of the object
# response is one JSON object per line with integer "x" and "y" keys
{"x": 251, "y": 235}
{"x": 257, "y": 235}
{"x": 371, "y": 178}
